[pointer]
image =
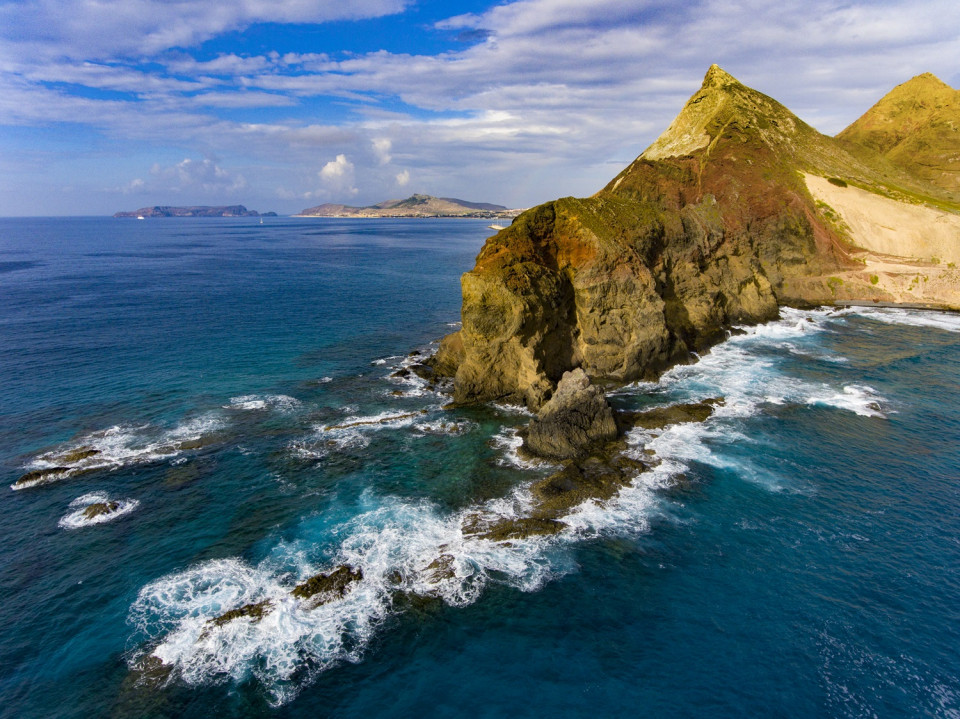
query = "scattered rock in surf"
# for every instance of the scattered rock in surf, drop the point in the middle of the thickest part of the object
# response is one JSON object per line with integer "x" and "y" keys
{"x": 97, "y": 509}
{"x": 39, "y": 476}
{"x": 422, "y": 371}
{"x": 440, "y": 569}
{"x": 401, "y": 373}
{"x": 575, "y": 420}
{"x": 73, "y": 456}
{"x": 598, "y": 477}
{"x": 661, "y": 417}
{"x": 327, "y": 587}
{"x": 503, "y": 530}
{"x": 255, "y": 612}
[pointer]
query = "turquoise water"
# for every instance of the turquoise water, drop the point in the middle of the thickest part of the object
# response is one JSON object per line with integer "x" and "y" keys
{"x": 797, "y": 554}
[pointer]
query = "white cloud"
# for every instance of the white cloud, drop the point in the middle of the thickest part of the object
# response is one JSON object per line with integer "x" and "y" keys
{"x": 381, "y": 148}
{"x": 198, "y": 175}
{"x": 550, "y": 100}
{"x": 141, "y": 28}
{"x": 337, "y": 176}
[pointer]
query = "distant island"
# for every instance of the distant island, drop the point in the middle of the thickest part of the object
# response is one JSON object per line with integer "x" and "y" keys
{"x": 415, "y": 206}
{"x": 194, "y": 211}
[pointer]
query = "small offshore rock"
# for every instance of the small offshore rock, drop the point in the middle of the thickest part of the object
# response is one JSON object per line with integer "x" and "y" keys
{"x": 37, "y": 476}
{"x": 575, "y": 420}
{"x": 521, "y": 528}
{"x": 256, "y": 612}
{"x": 76, "y": 455}
{"x": 327, "y": 587}
{"x": 99, "y": 508}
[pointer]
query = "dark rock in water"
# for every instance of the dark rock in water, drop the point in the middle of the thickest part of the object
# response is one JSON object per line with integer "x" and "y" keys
{"x": 99, "y": 508}
{"x": 441, "y": 568}
{"x": 422, "y": 371}
{"x": 674, "y": 414}
{"x": 37, "y": 476}
{"x": 518, "y": 528}
{"x": 324, "y": 588}
{"x": 194, "y": 443}
{"x": 401, "y": 373}
{"x": 256, "y": 612}
{"x": 76, "y": 455}
{"x": 598, "y": 477}
{"x": 576, "y": 419}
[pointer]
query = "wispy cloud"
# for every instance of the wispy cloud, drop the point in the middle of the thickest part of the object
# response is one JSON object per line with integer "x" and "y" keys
{"x": 141, "y": 28}
{"x": 540, "y": 98}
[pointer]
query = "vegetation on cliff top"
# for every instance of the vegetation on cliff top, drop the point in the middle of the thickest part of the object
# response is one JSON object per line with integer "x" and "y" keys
{"x": 916, "y": 126}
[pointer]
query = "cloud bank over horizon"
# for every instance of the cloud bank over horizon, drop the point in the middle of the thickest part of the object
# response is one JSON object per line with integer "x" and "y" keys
{"x": 104, "y": 105}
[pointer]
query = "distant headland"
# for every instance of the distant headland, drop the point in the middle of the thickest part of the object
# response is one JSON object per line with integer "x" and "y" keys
{"x": 194, "y": 211}
{"x": 415, "y": 206}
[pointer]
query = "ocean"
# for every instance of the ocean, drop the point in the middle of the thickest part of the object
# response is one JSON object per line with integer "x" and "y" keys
{"x": 237, "y": 391}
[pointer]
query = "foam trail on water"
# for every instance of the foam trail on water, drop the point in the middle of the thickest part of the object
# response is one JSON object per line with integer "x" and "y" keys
{"x": 280, "y": 402}
{"x": 117, "y": 447}
{"x": 947, "y": 321}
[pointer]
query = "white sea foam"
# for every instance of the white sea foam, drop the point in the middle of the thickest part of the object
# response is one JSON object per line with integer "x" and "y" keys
{"x": 398, "y": 546}
{"x": 947, "y": 321}
{"x": 748, "y": 380}
{"x": 860, "y": 399}
{"x": 508, "y": 442}
{"x": 512, "y": 409}
{"x": 121, "y": 446}
{"x": 279, "y": 402}
{"x": 77, "y": 518}
{"x": 354, "y": 431}
{"x": 406, "y": 547}
{"x": 443, "y": 426}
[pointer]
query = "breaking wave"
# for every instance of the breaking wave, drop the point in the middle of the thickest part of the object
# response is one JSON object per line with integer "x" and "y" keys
{"x": 412, "y": 549}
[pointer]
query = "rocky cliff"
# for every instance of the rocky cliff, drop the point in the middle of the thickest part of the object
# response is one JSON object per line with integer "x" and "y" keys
{"x": 711, "y": 226}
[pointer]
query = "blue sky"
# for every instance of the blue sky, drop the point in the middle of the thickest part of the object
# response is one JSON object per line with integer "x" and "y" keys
{"x": 283, "y": 104}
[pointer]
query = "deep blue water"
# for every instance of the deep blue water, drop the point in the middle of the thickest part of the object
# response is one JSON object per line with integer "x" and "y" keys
{"x": 798, "y": 554}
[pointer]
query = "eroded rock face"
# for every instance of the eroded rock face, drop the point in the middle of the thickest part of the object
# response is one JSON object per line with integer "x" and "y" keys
{"x": 711, "y": 227}
{"x": 576, "y": 419}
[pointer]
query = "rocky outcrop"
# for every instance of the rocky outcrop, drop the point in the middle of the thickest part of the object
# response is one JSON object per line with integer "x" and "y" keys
{"x": 575, "y": 420}
{"x": 712, "y": 226}
{"x": 98, "y": 509}
{"x": 327, "y": 587}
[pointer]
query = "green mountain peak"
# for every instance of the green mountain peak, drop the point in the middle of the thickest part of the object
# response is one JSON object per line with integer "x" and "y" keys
{"x": 916, "y": 127}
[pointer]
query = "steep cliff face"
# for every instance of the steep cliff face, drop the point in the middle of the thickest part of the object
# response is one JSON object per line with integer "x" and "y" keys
{"x": 711, "y": 226}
